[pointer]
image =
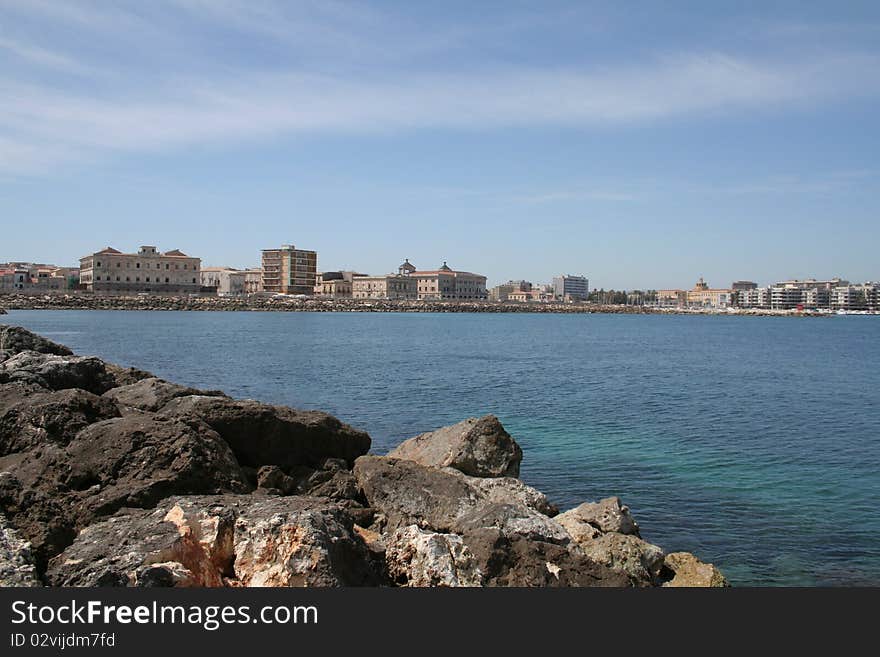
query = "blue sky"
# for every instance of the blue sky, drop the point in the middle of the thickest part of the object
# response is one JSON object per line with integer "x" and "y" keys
{"x": 641, "y": 144}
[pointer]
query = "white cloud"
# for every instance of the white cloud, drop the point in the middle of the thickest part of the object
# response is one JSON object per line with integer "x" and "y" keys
{"x": 185, "y": 101}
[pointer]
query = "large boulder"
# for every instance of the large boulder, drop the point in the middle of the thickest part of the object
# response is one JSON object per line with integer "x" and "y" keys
{"x": 416, "y": 557}
{"x": 607, "y": 515}
{"x": 262, "y": 434}
{"x": 51, "y": 491}
{"x": 479, "y": 447}
{"x": 516, "y": 560}
{"x": 411, "y": 494}
{"x": 57, "y": 372}
{"x": 31, "y": 416}
{"x": 137, "y": 460}
{"x": 507, "y": 490}
{"x": 16, "y": 339}
{"x": 151, "y": 394}
{"x": 216, "y": 541}
{"x": 628, "y": 555}
{"x": 686, "y": 570}
{"x": 17, "y": 566}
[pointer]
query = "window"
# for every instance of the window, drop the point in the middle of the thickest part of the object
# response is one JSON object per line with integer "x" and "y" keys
{"x": 99, "y": 263}
{"x": 137, "y": 265}
{"x": 148, "y": 279}
{"x": 166, "y": 280}
{"x": 118, "y": 265}
{"x": 97, "y": 278}
{"x": 127, "y": 279}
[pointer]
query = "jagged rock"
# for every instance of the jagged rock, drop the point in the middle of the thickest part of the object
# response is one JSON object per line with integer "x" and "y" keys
{"x": 479, "y": 447}
{"x": 262, "y": 434}
{"x": 16, "y": 339}
{"x": 505, "y": 490}
{"x": 300, "y": 541}
{"x": 422, "y": 558}
{"x": 272, "y": 478}
{"x": 131, "y": 461}
{"x": 688, "y": 571}
{"x": 340, "y": 486}
{"x": 32, "y": 416}
{"x": 518, "y": 561}
{"x": 512, "y": 520}
{"x": 408, "y": 493}
{"x": 629, "y": 555}
{"x": 16, "y": 561}
{"x": 219, "y": 540}
{"x": 123, "y": 376}
{"x": 138, "y": 460}
{"x": 151, "y": 394}
{"x": 57, "y": 372}
{"x": 146, "y": 548}
{"x": 607, "y": 515}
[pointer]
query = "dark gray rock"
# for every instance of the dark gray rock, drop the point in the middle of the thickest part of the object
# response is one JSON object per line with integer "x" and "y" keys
{"x": 151, "y": 394}
{"x": 31, "y": 416}
{"x": 16, "y": 339}
{"x": 262, "y": 434}
{"x": 57, "y": 372}
{"x": 515, "y": 560}
{"x": 131, "y": 461}
{"x": 479, "y": 447}
{"x": 411, "y": 494}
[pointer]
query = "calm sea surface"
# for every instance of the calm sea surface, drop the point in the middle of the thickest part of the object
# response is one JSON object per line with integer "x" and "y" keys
{"x": 753, "y": 442}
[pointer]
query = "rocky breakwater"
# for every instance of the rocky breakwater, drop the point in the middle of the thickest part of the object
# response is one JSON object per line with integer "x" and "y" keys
{"x": 110, "y": 476}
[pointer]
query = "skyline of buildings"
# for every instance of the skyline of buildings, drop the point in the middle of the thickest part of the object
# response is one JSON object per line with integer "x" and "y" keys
{"x": 293, "y": 271}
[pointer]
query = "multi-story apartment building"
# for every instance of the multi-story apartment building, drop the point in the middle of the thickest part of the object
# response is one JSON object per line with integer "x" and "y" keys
{"x": 148, "y": 271}
{"x": 809, "y": 293}
{"x": 758, "y": 297}
{"x": 390, "y": 286}
{"x": 336, "y": 284}
{"x": 856, "y": 297}
{"x": 289, "y": 270}
{"x": 446, "y": 283}
{"x": 571, "y": 288}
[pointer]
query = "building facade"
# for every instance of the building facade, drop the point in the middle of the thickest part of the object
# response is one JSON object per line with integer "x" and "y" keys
{"x": 336, "y": 284}
{"x": 37, "y": 278}
{"x": 702, "y": 296}
{"x": 289, "y": 270}
{"x": 446, "y": 283}
{"x": 571, "y": 288}
{"x": 224, "y": 281}
{"x": 148, "y": 271}
{"x": 390, "y": 286}
{"x": 502, "y": 292}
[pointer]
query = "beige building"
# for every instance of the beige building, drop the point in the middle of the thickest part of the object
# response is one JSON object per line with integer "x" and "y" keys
{"x": 253, "y": 281}
{"x": 702, "y": 296}
{"x": 672, "y": 298}
{"x": 336, "y": 284}
{"x": 225, "y": 281}
{"x": 36, "y": 278}
{"x": 147, "y": 271}
{"x": 503, "y": 291}
{"x": 289, "y": 270}
{"x": 390, "y": 286}
{"x": 446, "y": 283}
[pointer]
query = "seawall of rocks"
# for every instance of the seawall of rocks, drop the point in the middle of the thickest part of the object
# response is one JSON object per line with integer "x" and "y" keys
{"x": 85, "y": 301}
{"x": 110, "y": 476}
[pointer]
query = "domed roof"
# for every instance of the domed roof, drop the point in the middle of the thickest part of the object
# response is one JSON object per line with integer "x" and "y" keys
{"x": 445, "y": 267}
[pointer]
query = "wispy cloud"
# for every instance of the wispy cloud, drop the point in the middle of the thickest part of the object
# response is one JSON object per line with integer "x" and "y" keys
{"x": 171, "y": 105}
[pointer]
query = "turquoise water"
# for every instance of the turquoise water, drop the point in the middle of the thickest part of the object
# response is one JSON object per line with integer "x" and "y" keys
{"x": 753, "y": 442}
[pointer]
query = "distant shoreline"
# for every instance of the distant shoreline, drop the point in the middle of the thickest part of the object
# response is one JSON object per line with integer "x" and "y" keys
{"x": 270, "y": 304}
